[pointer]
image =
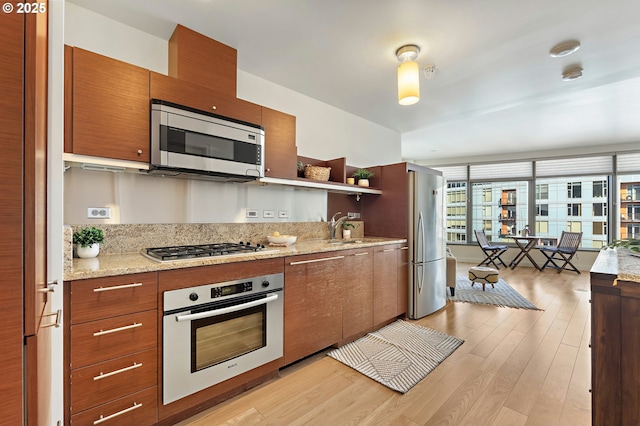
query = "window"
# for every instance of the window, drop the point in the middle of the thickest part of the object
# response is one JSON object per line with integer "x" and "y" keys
{"x": 574, "y": 209}
{"x": 542, "y": 192}
{"x": 629, "y": 201}
{"x": 600, "y": 189}
{"x": 574, "y": 190}
{"x": 599, "y": 209}
{"x": 542, "y": 209}
{"x": 456, "y": 211}
{"x": 574, "y": 226}
{"x": 599, "y": 228}
{"x": 504, "y": 204}
{"x": 542, "y": 227}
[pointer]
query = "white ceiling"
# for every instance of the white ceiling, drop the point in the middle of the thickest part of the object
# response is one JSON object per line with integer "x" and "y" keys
{"x": 496, "y": 89}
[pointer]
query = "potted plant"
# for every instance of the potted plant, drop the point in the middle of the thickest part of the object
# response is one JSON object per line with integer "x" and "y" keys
{"x": 346, "y": 232}
{"x": 88, "y": 241}
{"x": 363, "y": 176}
{"x": 300, "y": 167}
{"x": 632, "y": 244}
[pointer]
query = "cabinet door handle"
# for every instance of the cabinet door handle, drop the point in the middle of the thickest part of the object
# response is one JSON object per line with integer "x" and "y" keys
{"x": 387, "y": 250}
{"x": 55, "y": 324}
{"x": 113, "y": 373}
{"x": 404, "y": 248}
{"x": 361, "y": 254}
{"x": 116, "y": 287}
{"x": 119, "y": 413}
{"x": 214, "y": 107}
{"x": 115, "y": 330}
{"x": 324, "y": 259}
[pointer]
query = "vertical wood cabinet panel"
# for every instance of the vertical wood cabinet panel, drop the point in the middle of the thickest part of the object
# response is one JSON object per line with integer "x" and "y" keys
{"x": 196, "y": 58}
{"x": 281, "y": 154}
{"x": 385, "y": 283}
{"x": 357, "y": 292}
{"x": 11, "y": 203}
{"x": 109, "y": 106}
{"x": 312, "y": 303}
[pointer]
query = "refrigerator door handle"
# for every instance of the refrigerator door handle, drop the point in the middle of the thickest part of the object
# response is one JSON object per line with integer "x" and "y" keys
{"x": 420, "y": 239}
{"x": 420, "y": 271}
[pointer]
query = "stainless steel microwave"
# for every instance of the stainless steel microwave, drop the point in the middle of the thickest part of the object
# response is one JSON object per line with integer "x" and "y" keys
{"x": 186, "y": 142}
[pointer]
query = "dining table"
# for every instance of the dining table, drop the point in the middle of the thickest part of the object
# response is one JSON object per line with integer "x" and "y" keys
{"x": 525, "y": 244}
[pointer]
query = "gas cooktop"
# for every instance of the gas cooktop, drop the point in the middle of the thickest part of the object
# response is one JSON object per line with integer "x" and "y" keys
{"x": 201, "y": 251}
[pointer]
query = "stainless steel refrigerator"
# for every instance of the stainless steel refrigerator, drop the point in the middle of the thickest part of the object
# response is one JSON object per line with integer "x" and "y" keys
{"x": 427, "y": 243}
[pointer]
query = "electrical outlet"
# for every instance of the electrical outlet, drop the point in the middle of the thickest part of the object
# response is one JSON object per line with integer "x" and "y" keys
{"x": 253, "y": 214}
{"x": 283, "y": 214}
{"x": 353, "y": 215}
{"x": 98, "y": 213}
{"x": 268, "y": 213}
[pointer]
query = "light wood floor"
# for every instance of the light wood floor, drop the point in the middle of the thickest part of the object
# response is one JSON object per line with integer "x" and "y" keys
{"x": 516, "y": 367}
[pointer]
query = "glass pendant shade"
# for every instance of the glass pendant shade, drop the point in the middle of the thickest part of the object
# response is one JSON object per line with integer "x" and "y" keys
{"x": 408, "y": 83}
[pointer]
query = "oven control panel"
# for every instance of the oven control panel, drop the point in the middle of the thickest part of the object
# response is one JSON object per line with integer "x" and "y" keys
{"x": 189, "y": 297}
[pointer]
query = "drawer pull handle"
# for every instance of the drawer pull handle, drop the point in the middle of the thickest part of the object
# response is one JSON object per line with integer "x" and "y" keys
{"x": 113, "y": 373}
{"x": 114, "y": 330}
{"x": 119, "y": 413}
{"x": 55, "y": 324}
{"x": 404, "y": 248}
{"x": 324, "y": 259}
{"x": 362, "y": 254}
{"x": 116, "y": 287}
{"x": 386, "y": 250}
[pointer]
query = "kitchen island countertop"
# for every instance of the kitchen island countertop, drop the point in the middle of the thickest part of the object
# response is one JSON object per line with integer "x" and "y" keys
{"x": 131, "y": 263}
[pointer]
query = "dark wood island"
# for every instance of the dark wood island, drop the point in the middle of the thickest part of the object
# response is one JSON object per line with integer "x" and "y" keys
{"x": 615, "y": 338}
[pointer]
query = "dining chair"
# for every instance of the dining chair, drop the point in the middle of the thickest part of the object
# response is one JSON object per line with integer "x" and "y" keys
{"x": 492, "y": 252}
{"x": 563, "y": 252}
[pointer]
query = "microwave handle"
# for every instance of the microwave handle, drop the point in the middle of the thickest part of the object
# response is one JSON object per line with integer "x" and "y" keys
{"x": 222, "y": 311}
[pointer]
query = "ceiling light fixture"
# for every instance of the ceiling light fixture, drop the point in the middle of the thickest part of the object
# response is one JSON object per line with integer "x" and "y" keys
{"x": 564, "y": 49}
{"x": 572, "y": 73}
{"x": 408, "y": 75}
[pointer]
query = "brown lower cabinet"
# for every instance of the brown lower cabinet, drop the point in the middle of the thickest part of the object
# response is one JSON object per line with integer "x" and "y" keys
{"x": 112, "y": 351}
{"x": 615, "y": 345}
{"x": 333, "y": 296}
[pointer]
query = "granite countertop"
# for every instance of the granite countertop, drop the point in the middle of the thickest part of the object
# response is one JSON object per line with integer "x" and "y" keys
{"x": 623, "y": 263}
{"x": 129, "y": 263}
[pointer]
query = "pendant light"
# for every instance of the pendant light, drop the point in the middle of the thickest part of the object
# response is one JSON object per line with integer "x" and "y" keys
{"x": 408, "y": 75}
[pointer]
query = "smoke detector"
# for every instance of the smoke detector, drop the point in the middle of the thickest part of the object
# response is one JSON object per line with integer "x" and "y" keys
{"x": 572, "y": 73}
{"x": 564, "y": 49}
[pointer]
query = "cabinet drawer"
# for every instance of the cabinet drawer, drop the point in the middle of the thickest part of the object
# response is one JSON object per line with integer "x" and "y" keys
{"x": 110, "y": 380}
{"x": 99, "y": 298}
{"x": 137, "y": 409}
{"x": 97, "y": 341}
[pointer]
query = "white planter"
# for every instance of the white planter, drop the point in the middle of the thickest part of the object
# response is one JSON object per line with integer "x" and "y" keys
{"x": 346, "y": 234}
{"x": 89, "y": 251}
{"x": 363, "y": 182}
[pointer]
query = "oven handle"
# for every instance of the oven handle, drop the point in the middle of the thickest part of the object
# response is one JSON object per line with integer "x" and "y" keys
{"x": 227, "y": 310}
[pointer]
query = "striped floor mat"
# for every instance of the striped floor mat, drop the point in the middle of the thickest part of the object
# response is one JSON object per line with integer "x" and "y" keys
{"x": 502, "y": 295}
{"x": 398, "y": 355}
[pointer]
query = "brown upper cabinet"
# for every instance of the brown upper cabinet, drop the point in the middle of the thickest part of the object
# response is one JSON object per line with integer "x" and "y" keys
{"x": 201, "y": 60}
{"x": 107, "y": 107}
{"x": 281, "y": 154}
{"x": 203, "y": 98}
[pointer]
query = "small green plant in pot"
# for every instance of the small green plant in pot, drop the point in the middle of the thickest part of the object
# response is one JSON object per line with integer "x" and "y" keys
{"x": 88, "y": 241}
{"x": 300, "y": 167}
{"x": 363, "y": 176}
{"x": 346, "y": 230}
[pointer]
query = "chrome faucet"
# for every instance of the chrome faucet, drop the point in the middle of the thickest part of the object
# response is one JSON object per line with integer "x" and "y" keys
{"x": 334, "y": 224}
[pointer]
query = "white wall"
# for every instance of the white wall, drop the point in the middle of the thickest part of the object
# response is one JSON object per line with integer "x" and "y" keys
{"x": 322, "y": 132}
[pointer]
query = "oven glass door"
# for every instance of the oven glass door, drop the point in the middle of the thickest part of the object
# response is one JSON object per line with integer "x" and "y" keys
{"x": 221, "y": 338}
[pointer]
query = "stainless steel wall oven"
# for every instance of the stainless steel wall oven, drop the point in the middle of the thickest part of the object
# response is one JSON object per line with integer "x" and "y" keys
{"x": 214, "y": 332}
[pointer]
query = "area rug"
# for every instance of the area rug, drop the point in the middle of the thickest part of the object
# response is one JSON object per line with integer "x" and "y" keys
{"x": 502, "y": 295}
{"x": 398, "y": 355}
